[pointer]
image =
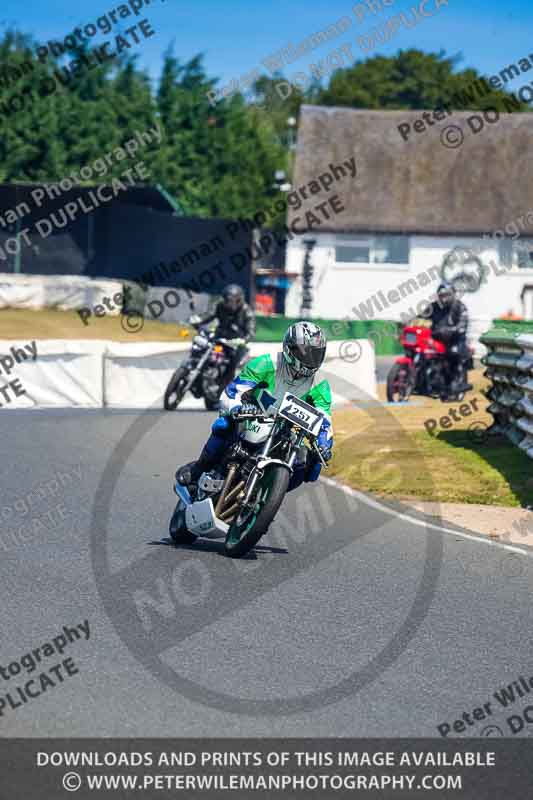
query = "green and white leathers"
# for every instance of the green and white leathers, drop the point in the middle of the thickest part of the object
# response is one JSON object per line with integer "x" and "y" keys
{"x": 268, "y": 380}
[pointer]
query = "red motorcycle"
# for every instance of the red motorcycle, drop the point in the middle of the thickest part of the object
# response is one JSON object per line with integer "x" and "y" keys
{"x": 424, "y": 369}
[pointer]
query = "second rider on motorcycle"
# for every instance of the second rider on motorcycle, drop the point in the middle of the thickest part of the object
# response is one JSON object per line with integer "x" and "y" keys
{"x": 449, "y": 324}
{"x": 235, "y": 322}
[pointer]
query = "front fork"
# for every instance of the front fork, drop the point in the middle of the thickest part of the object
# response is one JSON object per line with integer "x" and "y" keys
{"x": 258, "y": 473}
{"x": 198, "y": 368}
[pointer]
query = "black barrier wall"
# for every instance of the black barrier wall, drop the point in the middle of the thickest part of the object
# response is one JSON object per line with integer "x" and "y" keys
{"x": 136, "y": 236}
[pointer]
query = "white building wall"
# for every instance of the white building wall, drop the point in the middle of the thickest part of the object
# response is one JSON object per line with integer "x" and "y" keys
{"x": 338, "y": 289}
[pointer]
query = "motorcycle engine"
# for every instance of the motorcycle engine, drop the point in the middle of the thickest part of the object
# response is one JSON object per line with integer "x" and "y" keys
{"x": 436, "y": 383}
{"x": 210, "y": 483}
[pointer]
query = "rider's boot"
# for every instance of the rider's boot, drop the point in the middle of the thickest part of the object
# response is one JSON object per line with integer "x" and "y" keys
{"x": 459, "y": 383}
{"x": 190, "y": 474}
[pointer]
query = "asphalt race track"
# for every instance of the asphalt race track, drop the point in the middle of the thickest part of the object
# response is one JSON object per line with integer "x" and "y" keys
{"x": 347, "y": 621}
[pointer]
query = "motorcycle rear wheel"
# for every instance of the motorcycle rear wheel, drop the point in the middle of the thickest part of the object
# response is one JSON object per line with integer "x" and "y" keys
{"x": 400, "y": 383}
{"x": 246, "y": 530}
{"x": 175, "y": 390}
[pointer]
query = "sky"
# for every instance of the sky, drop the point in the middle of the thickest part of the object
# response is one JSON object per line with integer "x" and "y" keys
{"x": 235, "y": 36}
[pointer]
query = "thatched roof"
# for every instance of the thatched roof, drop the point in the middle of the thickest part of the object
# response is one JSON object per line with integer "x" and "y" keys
{"x": 418, "y": 186}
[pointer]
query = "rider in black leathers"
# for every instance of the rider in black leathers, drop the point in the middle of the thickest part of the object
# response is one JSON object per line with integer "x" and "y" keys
{"x": 236, "y": 321}
{"x": 449, "y": 324}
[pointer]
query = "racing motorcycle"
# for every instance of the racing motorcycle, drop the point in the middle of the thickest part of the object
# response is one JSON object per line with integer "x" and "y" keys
{"x": 424, "y": 369}
{"x": 239, "y": 499}
{"x": 204, "y": 373}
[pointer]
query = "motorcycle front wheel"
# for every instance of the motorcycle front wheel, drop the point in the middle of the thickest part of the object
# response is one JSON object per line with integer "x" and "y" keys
{"x": 211, "y": 389}
{"x": 211, "y": 405}
{"x": 249, "y": 526}
{"x": 400, "y": 383}
{"x": 177, "y": 528}
{"x": 175, "y": 390}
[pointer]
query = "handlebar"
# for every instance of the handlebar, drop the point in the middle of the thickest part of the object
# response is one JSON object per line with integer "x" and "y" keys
{"x": 233, "y": 343}
{"x": 260, "y": 417}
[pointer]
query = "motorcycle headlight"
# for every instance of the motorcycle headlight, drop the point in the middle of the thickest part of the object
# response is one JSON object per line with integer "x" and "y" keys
{"x": 199, "y": 341}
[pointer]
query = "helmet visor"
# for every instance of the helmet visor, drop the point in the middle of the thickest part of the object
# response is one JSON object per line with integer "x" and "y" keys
{"x": 309, "y": 356}
{"x": 233, "y": 302}
{"x": 445, "y": 296}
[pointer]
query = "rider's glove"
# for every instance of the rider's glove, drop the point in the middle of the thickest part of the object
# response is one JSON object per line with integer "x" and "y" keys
{"x": 245, "y": 408}
{"x": 195, "y": 319}
{"x": 325, "y": 444}
{"x": 444, "y": 331}
{"x": 237, "y": 342}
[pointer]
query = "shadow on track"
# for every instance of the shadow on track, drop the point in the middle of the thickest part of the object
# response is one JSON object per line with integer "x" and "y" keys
{"x": 217, "y": 546}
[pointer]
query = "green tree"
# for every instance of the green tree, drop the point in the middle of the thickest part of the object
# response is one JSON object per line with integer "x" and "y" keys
{"x": 218, "y": 161}
{"x": 411, "y": 79}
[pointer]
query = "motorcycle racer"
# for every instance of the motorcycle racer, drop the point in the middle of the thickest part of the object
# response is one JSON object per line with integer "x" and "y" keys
{"x": 449, "y": 324}
{"x": 235, "y": 322}
{"x": 261, "y": 386}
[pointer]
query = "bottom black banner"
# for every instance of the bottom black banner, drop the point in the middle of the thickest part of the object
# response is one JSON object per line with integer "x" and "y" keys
{"x": 51, "y": 769}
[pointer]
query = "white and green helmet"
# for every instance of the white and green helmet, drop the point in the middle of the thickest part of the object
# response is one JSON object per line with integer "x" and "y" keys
{"x": 304, "y": 349}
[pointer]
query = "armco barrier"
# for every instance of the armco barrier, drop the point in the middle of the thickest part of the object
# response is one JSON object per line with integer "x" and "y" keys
{"x": 509, "y": 367}
{"x": 514, "y": 325}
{"x": 94, "y": 374}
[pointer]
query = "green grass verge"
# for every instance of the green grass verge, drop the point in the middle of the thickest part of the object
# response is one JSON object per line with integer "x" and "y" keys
{"x": 387, "y": 451}
{"x": 51, "y": 324}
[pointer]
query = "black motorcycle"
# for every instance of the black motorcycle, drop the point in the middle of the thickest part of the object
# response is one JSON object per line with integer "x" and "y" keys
{"x": 205, "y": 371}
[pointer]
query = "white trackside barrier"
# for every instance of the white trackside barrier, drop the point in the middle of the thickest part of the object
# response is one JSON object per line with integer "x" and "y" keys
{"x": 63, "y": 292}
{"x": 63, "y": 374}
{"x": 350, "y": 367}
{"x": 174, "y": 305}
{"x": 136, "y": 375}
{"x": 509, "y": 365}
{"x": 76, "y": 292}
{"x": 94, "y": 374}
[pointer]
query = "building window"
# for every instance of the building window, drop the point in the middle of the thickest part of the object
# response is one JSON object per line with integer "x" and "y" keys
{"x": 506, "y": 252}
{"x": 372, "y": 250}
{"x": 356, "y": 251}
{"x": 523, "y": 253}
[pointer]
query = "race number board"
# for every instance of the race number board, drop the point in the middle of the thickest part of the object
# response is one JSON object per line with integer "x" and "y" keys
{"x": 303, "y": 414}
